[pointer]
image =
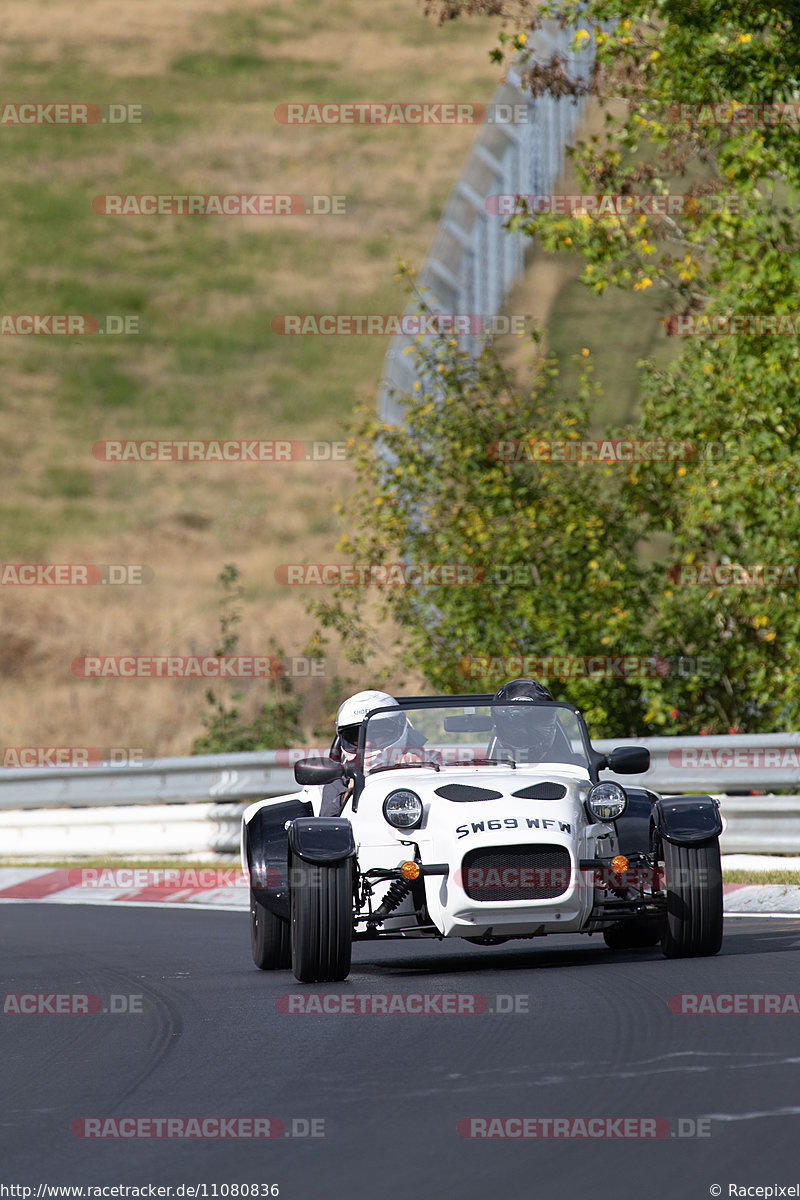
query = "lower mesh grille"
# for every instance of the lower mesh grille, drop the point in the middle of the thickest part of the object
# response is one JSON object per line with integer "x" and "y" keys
{"x": 497, "y": 873}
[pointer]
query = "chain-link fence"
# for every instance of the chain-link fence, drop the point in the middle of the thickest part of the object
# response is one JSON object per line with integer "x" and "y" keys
{"x": 474, "y": 261}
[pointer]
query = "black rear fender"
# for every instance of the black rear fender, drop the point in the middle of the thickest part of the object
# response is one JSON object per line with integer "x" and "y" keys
{"x": 267, "y": 850}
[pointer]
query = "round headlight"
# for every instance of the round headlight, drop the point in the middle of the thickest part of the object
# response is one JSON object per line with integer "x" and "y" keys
{"x": 403, "y": 809}
{"x": 607, "y": 801}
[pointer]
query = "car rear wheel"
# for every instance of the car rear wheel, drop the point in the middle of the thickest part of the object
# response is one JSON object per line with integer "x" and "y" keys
{"x": 322, "y": 920}
{"x": 269, "y": 938}
{"x": 693, "y": 878}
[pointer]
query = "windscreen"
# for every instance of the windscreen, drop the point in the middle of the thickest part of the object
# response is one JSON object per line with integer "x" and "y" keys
{"x": 522, "y": 732}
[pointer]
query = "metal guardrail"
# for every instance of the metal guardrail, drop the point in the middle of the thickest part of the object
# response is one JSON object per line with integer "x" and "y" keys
{"x": 726, "y": 767}
{"x": 162, "y": 806}
{"x": 194, "y": 805}
{"x": 202, "y": 778}
{"x": 473, "y": 261}
{"x": 736, "y": 762}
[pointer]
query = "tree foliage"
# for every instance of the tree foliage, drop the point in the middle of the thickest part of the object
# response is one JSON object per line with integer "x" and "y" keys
{"x": 276, "y": 724}
{"x": 546, "y": 554}
{"x": 730, "y": 249}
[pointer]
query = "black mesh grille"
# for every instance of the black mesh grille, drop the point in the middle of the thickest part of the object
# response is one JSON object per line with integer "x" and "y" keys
{"x": 542, "y": 791}
{"x": 462, "y": 792}
{"x": 496, "y": 873}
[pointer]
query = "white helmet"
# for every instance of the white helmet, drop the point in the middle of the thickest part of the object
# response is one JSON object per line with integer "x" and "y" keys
{"x": 387, "y": 732}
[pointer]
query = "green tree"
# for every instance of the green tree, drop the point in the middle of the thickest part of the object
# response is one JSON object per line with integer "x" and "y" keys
{"x": 731, "y": 249}
{"x": 593, "y": 537}
{"x": 548, "y": 549}
{"x": 227, "y": 730}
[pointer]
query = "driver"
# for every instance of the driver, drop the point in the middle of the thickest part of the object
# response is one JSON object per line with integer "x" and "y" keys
{"x": 391, "y": 737}
{"x": 530, "y": 737}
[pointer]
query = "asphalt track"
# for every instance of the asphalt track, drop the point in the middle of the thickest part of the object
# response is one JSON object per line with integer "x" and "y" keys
{"x": 597, "y": 1039}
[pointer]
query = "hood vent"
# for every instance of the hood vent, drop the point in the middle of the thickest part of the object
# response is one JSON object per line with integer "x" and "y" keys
{"x": 542, "y": 791}
{"x": 463, "y": 793}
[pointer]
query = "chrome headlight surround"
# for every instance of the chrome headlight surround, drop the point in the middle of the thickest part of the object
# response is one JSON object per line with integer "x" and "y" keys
{"x": 606, "y": 801}
{"x": 403, "y": 809}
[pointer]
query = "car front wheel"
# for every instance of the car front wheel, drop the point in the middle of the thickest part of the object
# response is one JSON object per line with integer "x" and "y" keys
{"x": 693, "y": 878}
{"x": 322, "y": 920}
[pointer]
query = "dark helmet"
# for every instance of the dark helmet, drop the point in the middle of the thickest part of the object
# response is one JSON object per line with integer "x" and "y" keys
{"x": 522, "y": 689}
{"x": 524, "y": 730}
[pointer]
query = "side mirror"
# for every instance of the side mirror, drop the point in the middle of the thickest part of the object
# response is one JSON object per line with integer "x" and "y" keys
{"x": 316, "y": 770}
{"x": 628, "y": 760}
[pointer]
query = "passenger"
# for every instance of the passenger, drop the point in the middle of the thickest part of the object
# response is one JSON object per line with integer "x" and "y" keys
{"x": 531, "y": 737}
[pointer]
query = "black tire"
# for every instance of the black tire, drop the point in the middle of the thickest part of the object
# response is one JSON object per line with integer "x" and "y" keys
{"x": 632, "y": 935}
{"x": 322, "y": 920}
{"x": 269, "y": 938}
{"x": 693, "y": 877}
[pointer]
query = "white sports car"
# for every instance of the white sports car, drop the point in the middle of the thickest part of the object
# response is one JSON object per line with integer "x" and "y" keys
{"x": 489, "y": 823}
